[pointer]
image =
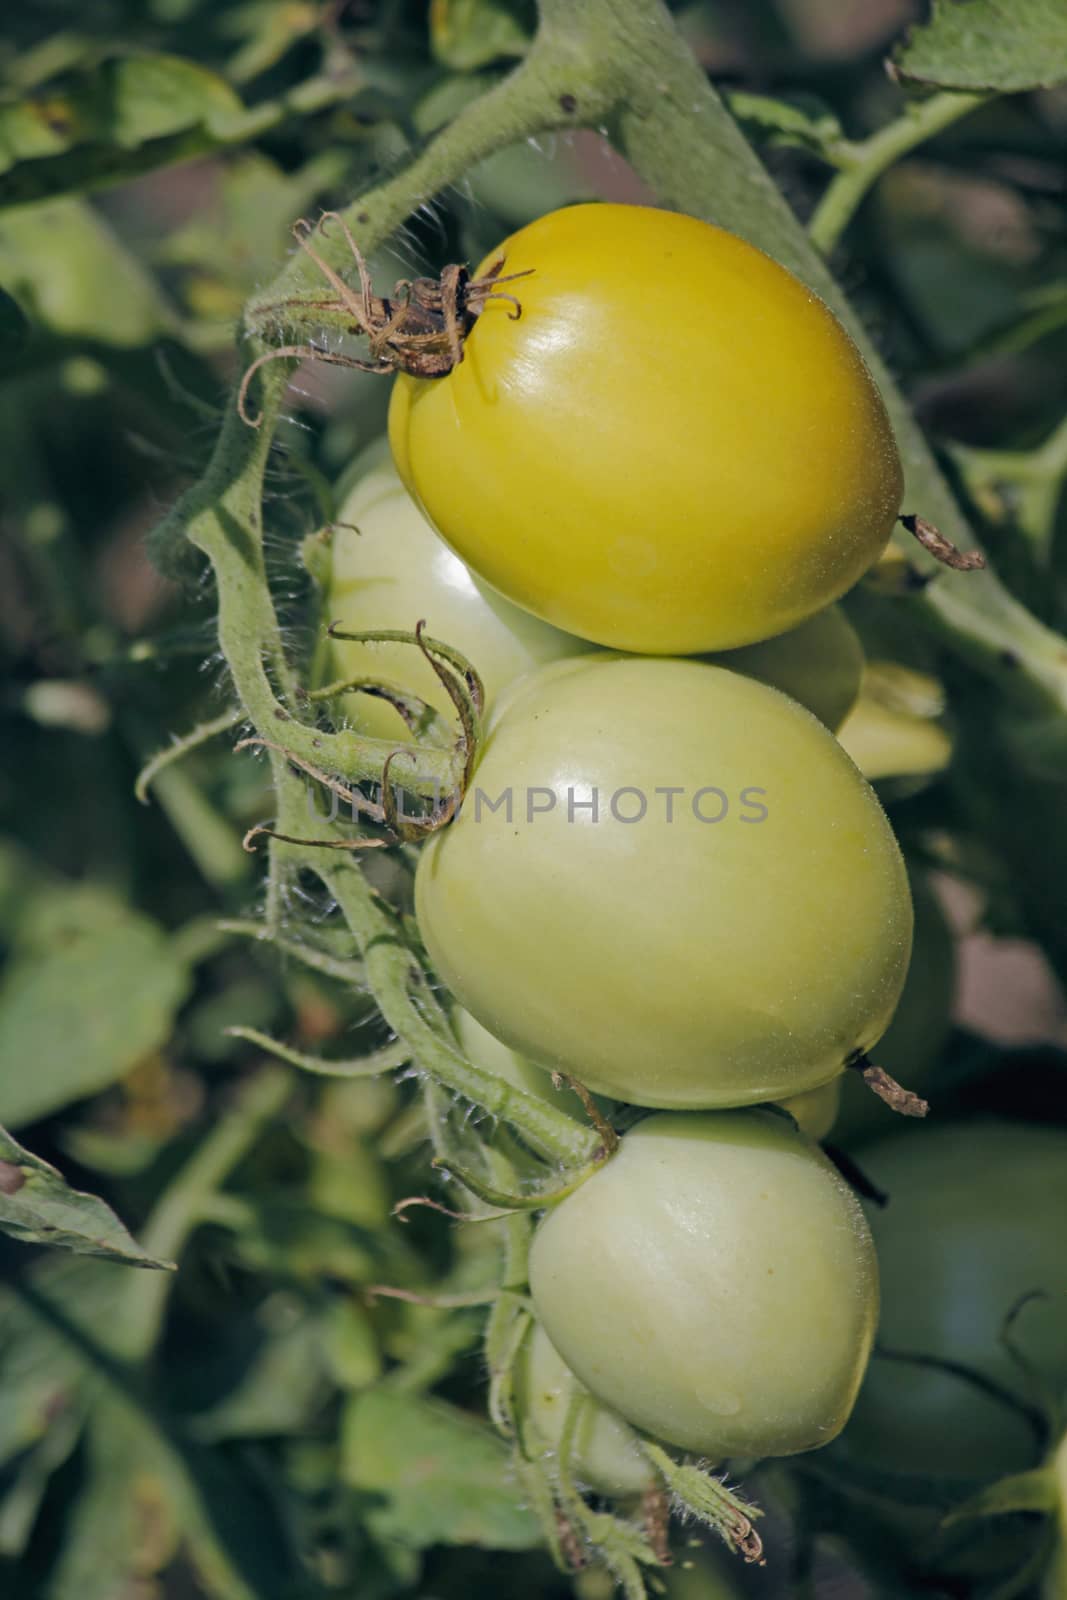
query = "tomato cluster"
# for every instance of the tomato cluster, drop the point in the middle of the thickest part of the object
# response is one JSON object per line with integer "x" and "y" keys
{"x": 667, "y": 882}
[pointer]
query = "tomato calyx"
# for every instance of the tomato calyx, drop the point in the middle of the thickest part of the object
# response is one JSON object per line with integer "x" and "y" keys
{"x": 421, "y": 328}
{"x": 941, "y": 548}
{"x": 904, "y": 1101}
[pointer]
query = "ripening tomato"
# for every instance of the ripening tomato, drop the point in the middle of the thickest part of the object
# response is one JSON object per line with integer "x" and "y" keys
{"x": 675, "y": 448}
{"x": 604, "y": 1454}
{"x": 389, "y": 569}
{"x": 714, "y": 1283}
{"x": 974, "y": 1222}
{"x": 668, "y": 881}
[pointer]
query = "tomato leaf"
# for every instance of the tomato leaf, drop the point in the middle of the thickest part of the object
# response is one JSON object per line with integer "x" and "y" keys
{"x": 131, "y": 115}
{"x": 82, "y": 1015}
{"x": 1006, "y": 45}
{"x": 38, "y": 1206}
{"x": 445, "y": 1477}
{"x": 73, "y": 279}
{"x": 1022, "y": 1491}
{"x": 467, "y": 34}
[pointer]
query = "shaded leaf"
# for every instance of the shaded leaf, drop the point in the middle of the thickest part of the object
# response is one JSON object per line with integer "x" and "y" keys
{"x": 80, "y": 1017}
{"x": 1007, "y": 45}
{"x": 38, "y": 1206}
{"x": 14, "y": 328}
{"x": 444, "y": 1477}
{"x": 1022, "y": 1491}
{"x": 276, "y": 1394}
{"x": 41, "y": 1376}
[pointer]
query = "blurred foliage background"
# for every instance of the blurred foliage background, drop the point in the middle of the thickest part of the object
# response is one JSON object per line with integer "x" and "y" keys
{"x": 260, "y": 1425}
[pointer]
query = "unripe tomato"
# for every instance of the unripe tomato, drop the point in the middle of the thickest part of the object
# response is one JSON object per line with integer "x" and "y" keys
{"x": 819, "y": 664}
{"x": 815, "y": 1111}
{"x": 733, "y": 924}
{"x": 487, "y": 1051}
{"x": 974, "y": 1222}
{"x": 714, "y": 1283}
{"x": 393, "y": 572}
{"x": 891, "y": 732}
{"x": 604, "y": 1454}
{"x": 675, "y": 448}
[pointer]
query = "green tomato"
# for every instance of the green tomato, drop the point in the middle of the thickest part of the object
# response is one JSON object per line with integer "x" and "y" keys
{"x": 820, "y": 664}
{"x": 485, "y": 1050}
{"x": 393, "y": 573}
{"x": 974, "y": 1222}
{"x": 891, "y": 732}
{"x": 605, "y": 1453}
{"x": 815, "y": 1111}
{"x": 911, "y": 1046}
{"x": 714, "y": 1283}
{"x": 736, "y": 943}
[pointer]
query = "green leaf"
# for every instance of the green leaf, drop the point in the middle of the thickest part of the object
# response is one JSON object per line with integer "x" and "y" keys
{"x": 131, "y": 115}
{"x": 73, "y": 278}
{"x": 41, "y": 1376}
{"x": 81, "y": 1016}
{"x": 1022, "y": 1491}
{"x": 1007, "y": 45}
{"x": 123, "y": 101}
{"x": 37, "y": 1206}
{"x": 467, "y": 34}
{"x": 445, "y": 1477}
{"x": 279, "y": 1389}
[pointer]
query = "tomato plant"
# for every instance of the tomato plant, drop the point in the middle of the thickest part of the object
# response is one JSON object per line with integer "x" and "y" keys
{"x": 558, "y": 457}
{"x": 635, "y": 954}
{"x": 277, "y": 1212}
{"x": 973, "y": 1226}
{"x": 715, "y": 1283}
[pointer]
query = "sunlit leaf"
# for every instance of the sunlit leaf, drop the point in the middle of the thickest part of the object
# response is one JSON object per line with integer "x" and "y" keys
{"x": 1007, "y": 45}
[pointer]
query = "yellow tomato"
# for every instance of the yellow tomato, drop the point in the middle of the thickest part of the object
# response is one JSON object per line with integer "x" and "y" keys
{"x": 675, "y": 448}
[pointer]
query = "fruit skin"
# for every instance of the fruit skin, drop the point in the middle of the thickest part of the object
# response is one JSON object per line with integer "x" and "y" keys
{"x": 819, "y": 664}
{"x": 388, "y": 569}
{"x": 815, "y": 1111}
{"x": 676, "y": 448}
{"x": 683, "y": 963}
{"x": 395, "y": 571}
{"x": 604, "y": 1453}
{"x": 480, "y": 1046}
{"x": 714, "y": 1283}
{"x": 974, "y": 1221}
